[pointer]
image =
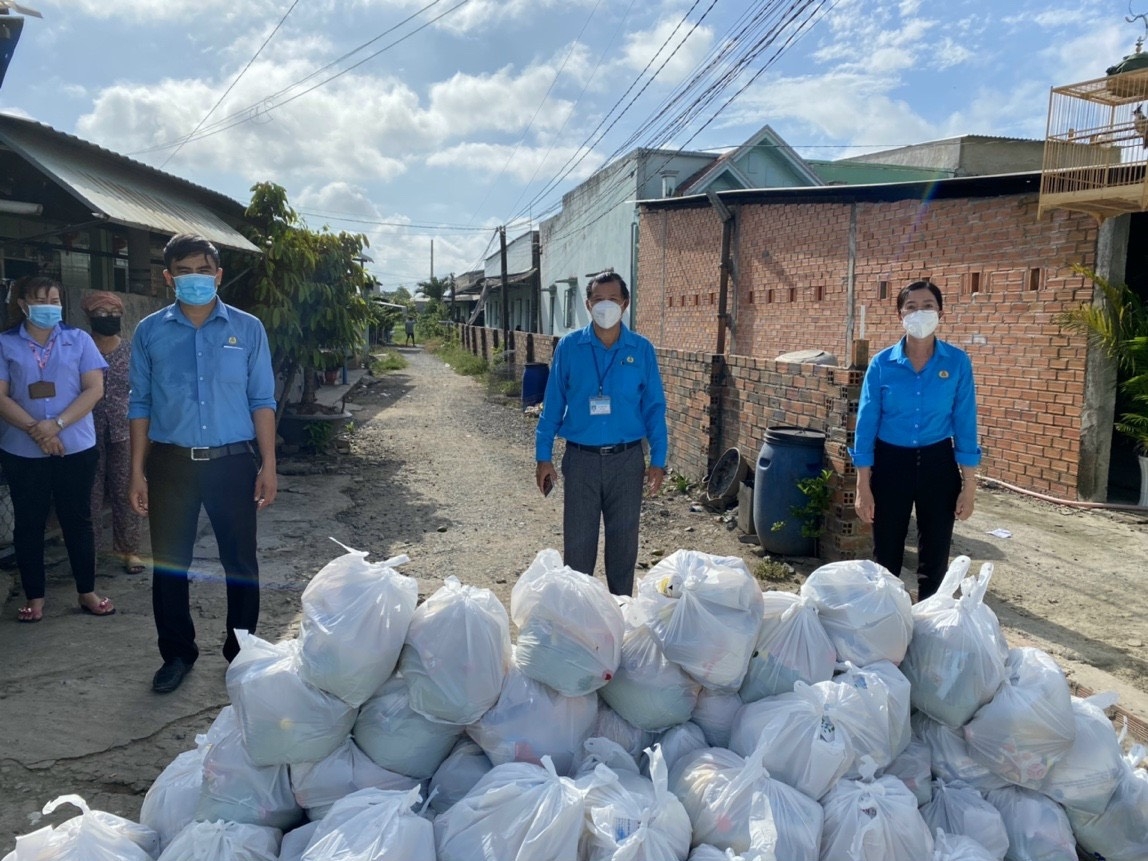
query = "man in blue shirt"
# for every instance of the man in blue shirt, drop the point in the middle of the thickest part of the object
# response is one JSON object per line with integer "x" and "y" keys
{"x": 202, "y": 415}
{"x": 915, "y": 445}
{"x": 603, "y": 396}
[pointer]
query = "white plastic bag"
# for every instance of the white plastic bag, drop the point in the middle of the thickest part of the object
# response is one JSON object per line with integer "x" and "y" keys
{"x": 680, "y": 740}
{"x": 295, "y": 842}
{"x": 914, "y": 767}
{"x": 1028, "y": 725}
{"x": 570, "y": 628}
{"x": 531, "y": 720}
{"x": 791, "y": 646}
{"x": 92, "y": 836}
{"x": 958, "y": 808}
{"x": 371, "y": 825}
{"x": 705, "y": 612}
{"x": 355, "y": 619}
{"x": 807, "y": 745}
{"x": 609, "y": 724}
{"x": 234, "y": 841}
{"x": 714, "y": 713}
{"x": 955, "y": 661}
{"x": 235, "y": 788}
{"x": 957, "y": 847}
{"x": 874, "y": 821}
{"x": 283, "y": 718}
{"x": 1120, "y": 832}
{"x": 1038, "y": 829}
{"x": 648, "y": 689}
{"x": 398, "y": 738}
{"x": 318, "y": 785}
{"x": 457, "y": 653}
{"x": 864, "y": 609}
{"x": 171, "y": 800}
{"x": 516, "y": 812}
{"x": 950, "y": 755}
{"x": 735, "y": 804}
{"x": 633, "y": 818}
{"x": 458, "y": 774}
{"x": 1085, "y": 777}
{"x": 881, "y": 730}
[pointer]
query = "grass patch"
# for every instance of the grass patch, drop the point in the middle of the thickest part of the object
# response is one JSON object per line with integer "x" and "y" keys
{"x": 773, "y": 571}
{"x": 388, "y": 361}
{"x": 462, "y": 360}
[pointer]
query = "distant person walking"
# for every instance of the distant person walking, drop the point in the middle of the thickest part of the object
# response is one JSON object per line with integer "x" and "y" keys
{"x": 202, "y": 416}
{"x": 51, "y": 375}
{"x": 604, "y": 396}
{"x": 916, "y": 441}
{"x": 113, "y": 471}
{"x": 409, "y": 325}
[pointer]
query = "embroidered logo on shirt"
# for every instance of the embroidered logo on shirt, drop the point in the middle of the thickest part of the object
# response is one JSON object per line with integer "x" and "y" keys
{"x": 629, "y": 360}
{"x": 233, "y": 340}
{"x": 944, "y": 375}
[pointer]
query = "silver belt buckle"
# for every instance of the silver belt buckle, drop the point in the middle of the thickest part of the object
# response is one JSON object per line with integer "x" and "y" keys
{"x": 606, "y": 449}
{"x": 204, "y": 450}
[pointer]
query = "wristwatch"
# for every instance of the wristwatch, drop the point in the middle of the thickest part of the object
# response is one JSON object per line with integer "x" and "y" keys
{"x": 60, "y": 423}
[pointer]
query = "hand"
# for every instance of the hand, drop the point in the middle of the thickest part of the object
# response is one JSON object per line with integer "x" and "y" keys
{"x": 864, "y": 504}
{"x": 655, "y": 475}
{"x": 266, "y": 488}
{"x": 52, "y": 447}
{"x": 44, "y": 430}
{"x": 137, "y": 495}
{"x": 965, "y": 501}
{"x": 543, "y": 471}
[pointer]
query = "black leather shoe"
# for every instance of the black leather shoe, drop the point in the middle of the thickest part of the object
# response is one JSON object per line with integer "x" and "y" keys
{"x": 170, "y": 676}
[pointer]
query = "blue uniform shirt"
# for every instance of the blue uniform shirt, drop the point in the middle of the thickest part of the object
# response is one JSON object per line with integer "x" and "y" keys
{"x": 909, "y": 409}
{"x": 198, "y": 387}
{"x": 627, "y": 373}
{"x": 69, "y": 354}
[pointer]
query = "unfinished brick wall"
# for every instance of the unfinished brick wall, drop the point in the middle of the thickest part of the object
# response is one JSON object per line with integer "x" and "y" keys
{"x": 1005, "y": 277}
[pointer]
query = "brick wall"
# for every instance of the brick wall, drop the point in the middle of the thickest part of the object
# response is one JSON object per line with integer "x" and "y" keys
{"x": 1005, "y": 276}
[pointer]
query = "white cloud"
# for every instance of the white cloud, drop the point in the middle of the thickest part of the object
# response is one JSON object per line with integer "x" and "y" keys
{"x": 209, "y": 12}
{"x": 521, "y": 163}
{"x": 478, "y": 16}
{"x": 503, "y": 100}
{"x": 682, "y": 53}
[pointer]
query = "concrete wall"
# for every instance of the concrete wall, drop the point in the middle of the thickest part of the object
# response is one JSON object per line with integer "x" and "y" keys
{"x": 1005, "y": 277}
{"x": 971, "y": 155}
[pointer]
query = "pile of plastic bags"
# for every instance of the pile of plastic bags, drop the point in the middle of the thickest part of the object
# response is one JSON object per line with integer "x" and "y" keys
{"x": 700, "y": 720}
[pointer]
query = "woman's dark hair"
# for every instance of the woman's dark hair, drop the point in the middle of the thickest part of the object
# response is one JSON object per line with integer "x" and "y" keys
{"x": 188, "y": 245}
{"x": 920, "y": 285}
{"x": 24, "y": 287}
{"x": 606, "y": 278}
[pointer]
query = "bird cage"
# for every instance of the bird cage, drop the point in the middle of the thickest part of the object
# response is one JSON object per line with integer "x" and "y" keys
{"x": 1096, "y": 147}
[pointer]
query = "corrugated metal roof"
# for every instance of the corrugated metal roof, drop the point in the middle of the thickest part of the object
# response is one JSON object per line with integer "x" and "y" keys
{"x": 124, "y": 191}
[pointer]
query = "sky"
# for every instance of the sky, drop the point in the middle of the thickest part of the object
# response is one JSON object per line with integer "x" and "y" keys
{"x": 425, "y": 124}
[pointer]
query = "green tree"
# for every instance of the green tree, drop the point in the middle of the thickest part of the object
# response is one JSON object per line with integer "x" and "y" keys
{"x": 434, "y": 288}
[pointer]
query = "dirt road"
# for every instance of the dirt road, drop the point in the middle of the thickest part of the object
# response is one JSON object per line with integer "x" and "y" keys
{"x": 439, "y": 472}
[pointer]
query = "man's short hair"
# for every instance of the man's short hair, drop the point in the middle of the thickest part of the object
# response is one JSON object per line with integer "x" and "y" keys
{"x": 188, "y": 245}
{"x": 920, "y": 285}
{"x": 606, "y": 278}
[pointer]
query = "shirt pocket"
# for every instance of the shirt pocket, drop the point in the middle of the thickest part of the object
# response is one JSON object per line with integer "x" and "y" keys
{"x": 232, "y": 365}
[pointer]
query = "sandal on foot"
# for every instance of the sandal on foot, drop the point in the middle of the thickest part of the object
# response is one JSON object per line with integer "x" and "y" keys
{"x": 133, "y": 564}
{"x": 29, "y": 614}
{"x": 102, "y": 608}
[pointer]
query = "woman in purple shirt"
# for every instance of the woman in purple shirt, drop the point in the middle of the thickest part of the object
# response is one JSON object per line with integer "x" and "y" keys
{"x": 51, "y": 375}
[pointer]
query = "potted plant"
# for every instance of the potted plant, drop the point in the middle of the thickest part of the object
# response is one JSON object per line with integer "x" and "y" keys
{"x": 1118, "y": 324}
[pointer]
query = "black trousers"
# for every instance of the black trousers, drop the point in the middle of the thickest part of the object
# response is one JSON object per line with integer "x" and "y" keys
{"x": 177, "y": 488}
{"x": 35, "y": 483}
{"x": 601, "y": 488}
{"x": 928, "y": 480}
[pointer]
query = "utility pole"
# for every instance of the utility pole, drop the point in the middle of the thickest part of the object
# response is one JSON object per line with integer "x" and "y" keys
{"x": 432, "y": 260}
{"x": 505, "y": 300}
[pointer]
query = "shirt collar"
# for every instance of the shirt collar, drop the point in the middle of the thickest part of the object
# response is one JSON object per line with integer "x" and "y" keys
{"x": 175, "y": 312}
{"x": 587, "y": 336}
{"x": 940, "y": 348}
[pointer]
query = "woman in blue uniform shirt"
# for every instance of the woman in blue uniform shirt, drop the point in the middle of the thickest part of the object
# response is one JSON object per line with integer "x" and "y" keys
{"x": 915, "y": 445}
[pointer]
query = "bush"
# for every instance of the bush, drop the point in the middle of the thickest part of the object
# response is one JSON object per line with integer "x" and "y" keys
{"x": 388, "y": 361}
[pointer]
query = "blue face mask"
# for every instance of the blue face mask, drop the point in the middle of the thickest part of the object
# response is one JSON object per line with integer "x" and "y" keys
{"x": 194, "y": 289}
{"x": 44, "y": 316}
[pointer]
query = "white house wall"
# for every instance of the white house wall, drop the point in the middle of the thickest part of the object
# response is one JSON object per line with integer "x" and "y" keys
{"x": 597, "y": 230}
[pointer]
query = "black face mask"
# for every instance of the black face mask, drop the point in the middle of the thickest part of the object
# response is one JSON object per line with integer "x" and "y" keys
{"x": 105, "y": 325}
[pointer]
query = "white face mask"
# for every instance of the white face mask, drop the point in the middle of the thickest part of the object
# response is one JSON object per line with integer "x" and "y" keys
{"x": 606, "y": 313}
{"x": 921, "y": 324}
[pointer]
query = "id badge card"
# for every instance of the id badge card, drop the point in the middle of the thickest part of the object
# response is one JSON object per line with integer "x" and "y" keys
{"x": 600, "y": 405}
{"x": 42, "y": 389}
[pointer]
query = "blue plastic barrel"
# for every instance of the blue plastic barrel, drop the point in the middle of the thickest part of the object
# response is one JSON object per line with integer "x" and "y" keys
{"x": 534, "y": 378}
{"x": 789, "y": 455}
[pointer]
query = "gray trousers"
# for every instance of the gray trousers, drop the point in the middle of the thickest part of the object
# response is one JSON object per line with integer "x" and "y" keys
{"x": 603, "y": 486}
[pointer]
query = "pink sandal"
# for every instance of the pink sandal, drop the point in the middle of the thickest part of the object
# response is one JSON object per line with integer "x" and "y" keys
{"x": 29, "y": 614}
{"x": 102, "y": 608}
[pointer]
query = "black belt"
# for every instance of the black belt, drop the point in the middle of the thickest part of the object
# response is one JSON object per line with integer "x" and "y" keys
{"x": 604, "y": 449}
{"x": 203, "y": 453}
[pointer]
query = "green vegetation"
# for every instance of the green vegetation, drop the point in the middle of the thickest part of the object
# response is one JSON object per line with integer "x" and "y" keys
{"x": 458, "y": 357}
{"x": 388, "y": 361}
{"x": 772, "y": 571}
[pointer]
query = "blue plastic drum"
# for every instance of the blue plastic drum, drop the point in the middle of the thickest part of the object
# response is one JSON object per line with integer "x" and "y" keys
{"x": 534, "y": 378}
{"x": 790, "y": 455}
